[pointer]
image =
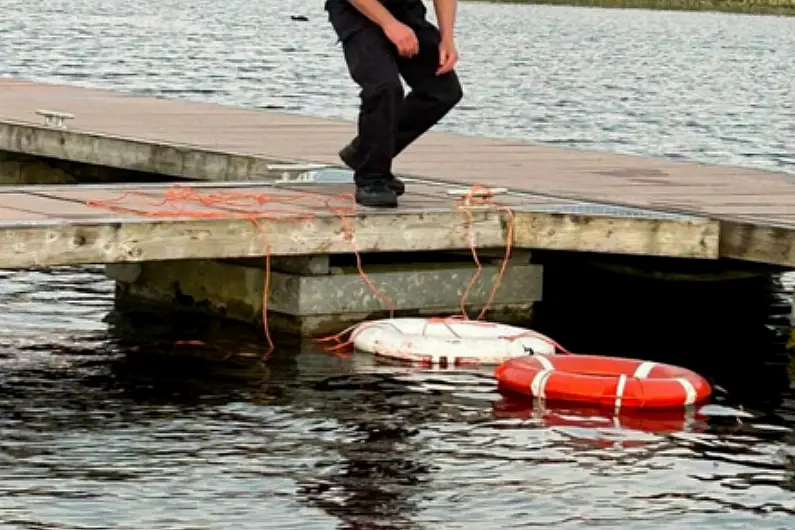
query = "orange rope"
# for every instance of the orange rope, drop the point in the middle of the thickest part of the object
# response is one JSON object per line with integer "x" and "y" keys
{"x": 181, "y": 202}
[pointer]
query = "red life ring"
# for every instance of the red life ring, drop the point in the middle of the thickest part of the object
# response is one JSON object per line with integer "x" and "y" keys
{"x": 606, "y": 381}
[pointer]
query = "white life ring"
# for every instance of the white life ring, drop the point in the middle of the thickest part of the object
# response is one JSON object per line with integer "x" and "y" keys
{"x": 448, "y": 342}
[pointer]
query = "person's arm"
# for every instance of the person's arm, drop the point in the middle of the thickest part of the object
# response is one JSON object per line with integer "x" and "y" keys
{"x": 445, "y": 16}
{"x": 399, "y": 34}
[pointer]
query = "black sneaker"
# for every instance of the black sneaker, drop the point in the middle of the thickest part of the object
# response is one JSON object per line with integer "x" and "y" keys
{"x": 348, "y": 156}
{"x": 376, "y": 196}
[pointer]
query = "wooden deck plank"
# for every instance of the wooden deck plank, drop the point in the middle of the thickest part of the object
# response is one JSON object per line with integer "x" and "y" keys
{"x": 339, "y": 194}
{"x": 20, "y": 206}
{"x": 156, "y": 204}
{"x": 765, "y": 240}
{"x": 113, "y": 240}
{"x": 320, "y": 199}
{"x": 242, "y": 199}
{"x": 152, "y": 239}
{"x": 10, "y": 212}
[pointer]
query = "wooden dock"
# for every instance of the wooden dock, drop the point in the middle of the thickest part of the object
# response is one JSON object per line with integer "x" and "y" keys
{"x": 564, "y": 199}
{"x": 76, "y": 224}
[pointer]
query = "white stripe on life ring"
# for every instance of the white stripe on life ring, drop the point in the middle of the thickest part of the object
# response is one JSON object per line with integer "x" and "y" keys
{"x": 539, "y": 383}
{"x": 690, "y": 390}
{"x": 545, "y": 363}
{"x": 622, "y": 383}
{"x": 643, "y": 371}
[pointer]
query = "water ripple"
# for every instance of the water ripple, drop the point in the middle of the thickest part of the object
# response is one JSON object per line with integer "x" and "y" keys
{"x": 95, "y": 432}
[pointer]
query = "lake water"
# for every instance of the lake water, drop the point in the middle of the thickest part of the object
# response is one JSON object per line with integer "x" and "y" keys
{"x": 102, "y": 425}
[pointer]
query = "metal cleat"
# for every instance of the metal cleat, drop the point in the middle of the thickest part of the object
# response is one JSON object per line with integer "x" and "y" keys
{"x": 55, "y": 119}
{"x": 296, "y": 172}
{"x": 467, "y": 194}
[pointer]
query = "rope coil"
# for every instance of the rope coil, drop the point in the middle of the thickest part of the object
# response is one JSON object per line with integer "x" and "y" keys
{"x": 186, "y": 202}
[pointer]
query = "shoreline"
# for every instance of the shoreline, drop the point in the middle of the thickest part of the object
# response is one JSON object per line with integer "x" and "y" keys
{"x": 759, "y": 7}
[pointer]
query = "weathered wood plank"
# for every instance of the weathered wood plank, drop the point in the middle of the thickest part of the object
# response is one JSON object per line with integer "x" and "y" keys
{"x": 298, "y": 226}
{"x": 128, "y": 153}
{"x": 616, "y": 235}
{"x": 21, "y": 206}
{"x": 118, "y": 240}
{"x": 297, "y": 200}
{"x": 48, "y": 244}
{"x": 759, "y": 240}
{"x": 316, "y": 197}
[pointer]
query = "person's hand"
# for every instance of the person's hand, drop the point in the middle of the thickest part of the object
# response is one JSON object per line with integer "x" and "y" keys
{"x": 403, "y": 38}
{"x": 448, "y": 56}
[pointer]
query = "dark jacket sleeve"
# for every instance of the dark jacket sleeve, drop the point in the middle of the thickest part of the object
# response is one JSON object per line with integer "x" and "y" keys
{"x": 347, "y": 20}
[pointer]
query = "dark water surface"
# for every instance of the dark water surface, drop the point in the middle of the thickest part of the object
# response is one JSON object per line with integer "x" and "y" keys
{"x": 104, "y": 425}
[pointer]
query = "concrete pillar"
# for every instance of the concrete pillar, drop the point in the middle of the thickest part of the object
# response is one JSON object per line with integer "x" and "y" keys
{"x": 310, "y": 297}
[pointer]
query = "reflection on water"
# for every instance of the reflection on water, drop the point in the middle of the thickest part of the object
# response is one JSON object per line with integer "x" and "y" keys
{"x": 105, "y": 423}
{"x": 111, "y": 425}
{"x": 704, "y": 86}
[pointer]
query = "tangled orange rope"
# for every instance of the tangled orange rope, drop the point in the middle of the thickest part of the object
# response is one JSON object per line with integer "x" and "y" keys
{"x": 186, "y": 202}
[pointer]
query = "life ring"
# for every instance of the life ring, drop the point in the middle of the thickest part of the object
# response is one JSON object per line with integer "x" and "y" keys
{"x": 605, "y": 381}
{"x": 448, "y": 341}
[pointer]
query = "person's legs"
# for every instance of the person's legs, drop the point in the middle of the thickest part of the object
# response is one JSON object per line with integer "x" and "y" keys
{"x": 372, "y": 65}
{"x": 350, "y": 157}
{"x": 431, "y": 98}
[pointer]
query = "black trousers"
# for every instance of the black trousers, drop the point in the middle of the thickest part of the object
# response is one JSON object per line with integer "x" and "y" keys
{"x": 390, "y": 120}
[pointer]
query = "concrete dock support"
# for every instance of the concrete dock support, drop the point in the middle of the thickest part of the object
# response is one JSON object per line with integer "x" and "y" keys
{"x": 24, "y": 169}
{"x": 310, "y": 296}
{"x": 17, "y": 168}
